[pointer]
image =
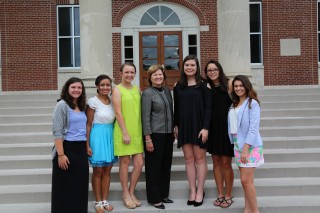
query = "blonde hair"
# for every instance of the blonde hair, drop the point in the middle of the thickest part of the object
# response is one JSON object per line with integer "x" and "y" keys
{"x": 154, "y": 68}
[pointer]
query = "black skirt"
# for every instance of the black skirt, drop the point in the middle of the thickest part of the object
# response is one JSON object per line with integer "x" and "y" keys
{"x": 70, "y": 187}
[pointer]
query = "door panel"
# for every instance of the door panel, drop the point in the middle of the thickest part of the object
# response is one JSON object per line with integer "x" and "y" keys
{"x": 160, "y": 48}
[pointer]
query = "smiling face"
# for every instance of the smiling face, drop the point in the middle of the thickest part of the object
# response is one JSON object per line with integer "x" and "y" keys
{"x": 128, "y": 73}
{"x": 157, "y": 78}
{"x": 104, "y": 87}
{"x": 213, "y": 73}
{"x": 75, "y": 90}
{"x": 190, "y": 67}
{"x": 239, "y": 89}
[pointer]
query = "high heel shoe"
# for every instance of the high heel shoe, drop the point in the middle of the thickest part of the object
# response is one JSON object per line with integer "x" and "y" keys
{"x": 128, "y": 202}
{"x": 196, "y": 204}
{"x": 135, "y": 200}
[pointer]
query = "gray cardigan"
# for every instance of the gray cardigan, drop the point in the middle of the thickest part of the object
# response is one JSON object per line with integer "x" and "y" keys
{"x": 157, "y": 111}
{"x": 60, "y": 121}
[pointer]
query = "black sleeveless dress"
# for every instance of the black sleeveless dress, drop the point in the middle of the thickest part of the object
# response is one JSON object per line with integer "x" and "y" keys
{"x": 219, "y": 142}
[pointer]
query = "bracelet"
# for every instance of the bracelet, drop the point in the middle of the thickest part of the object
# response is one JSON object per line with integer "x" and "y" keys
{"x": 149, "y": 141}
{"x": 61, "y": 155}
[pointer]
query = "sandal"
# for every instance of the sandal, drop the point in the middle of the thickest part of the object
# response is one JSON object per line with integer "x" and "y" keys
{"x": 226, "y": 203}
{"x": 107, "y": 206}
{"x": 99, "y": 207}
{"x": 218, "y": 201}
{"x": 135, "y": 200}
{"x": 128, "y": 202}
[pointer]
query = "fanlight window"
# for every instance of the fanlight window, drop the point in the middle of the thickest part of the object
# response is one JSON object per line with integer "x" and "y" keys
{"x": 160, "y": 15}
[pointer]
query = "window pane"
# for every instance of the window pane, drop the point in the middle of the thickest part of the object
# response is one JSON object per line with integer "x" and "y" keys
{"x": 128, "y": 52}
{"x": 65, "y": 20}
{"x": 128, "y": 61}
{"x": 148, "y": 63}
{"x": 172, "y": 20}
{"x": 171, "y": 40}
{"x": 318, "y": 46}
{"x": 255, "y": 18}
{"x": 255, "y": 41}
{"x": 77, "y": 52}
{"x": 76, "y": 17}
{"x": 193, "y": 51}
{"x": 154, "y": 12}
{"x": 171, "y": 52}
{"x": 65, "y": 52}
{"x": 128, "y": 41}
{"x": 192, "y": 39}
{"x": 171, "y": 64}
{"x": 150, "y": 40}
{"x": 147, "y": 20}
{"x": 318, "y": 16}
{"x": 150, "y": 53}
{"x": 165, "y": 12}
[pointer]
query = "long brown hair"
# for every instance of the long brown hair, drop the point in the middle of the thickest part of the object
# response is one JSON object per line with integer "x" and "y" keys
{"x": 250, "y": 92}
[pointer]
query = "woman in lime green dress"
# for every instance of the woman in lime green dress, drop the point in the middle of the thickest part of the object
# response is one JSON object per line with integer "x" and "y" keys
{"x": 128, "y": 141}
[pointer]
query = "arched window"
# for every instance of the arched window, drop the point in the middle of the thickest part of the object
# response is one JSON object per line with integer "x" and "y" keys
{"x": 160, "y": 15}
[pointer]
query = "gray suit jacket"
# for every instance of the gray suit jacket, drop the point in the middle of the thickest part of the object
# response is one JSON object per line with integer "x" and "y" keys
{"x": 157, "y": 111}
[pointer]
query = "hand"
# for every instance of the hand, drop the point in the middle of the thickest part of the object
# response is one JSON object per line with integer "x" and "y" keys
{"x": 89, "y": 151}
{"x": 63, "y": 162}
{"x": 175, "y": 132}
{"x": 149, "y": 147}
{"x": 244, "y": 157}
{"x": 126, "y": 139}
{"x": 204, "y": 135}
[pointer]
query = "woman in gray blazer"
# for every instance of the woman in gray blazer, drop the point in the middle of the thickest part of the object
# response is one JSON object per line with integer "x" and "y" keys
{"x": 157, "y": 123}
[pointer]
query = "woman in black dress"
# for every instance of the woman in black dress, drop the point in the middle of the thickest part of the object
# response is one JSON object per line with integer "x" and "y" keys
{"x": 192, "y": 115}
{"x": 219, "y": 145}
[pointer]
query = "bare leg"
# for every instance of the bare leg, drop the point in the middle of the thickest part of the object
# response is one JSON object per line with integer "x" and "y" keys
{"x": 246, "y": 204}
{"x": 190, "y": 169}
{"x": 135, "y": 174}
{"x": 201, "y": 168}
{"x": 106, "y": 182}
{"x": 217, "y": 172}
{"x": 124, "y": 163}
{"x": 247, "y": 181}
{"x": 96, "y": 182}
{"x": 228, "y": 175}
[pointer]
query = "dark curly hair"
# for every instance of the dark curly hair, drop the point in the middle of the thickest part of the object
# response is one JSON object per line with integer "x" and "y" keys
{"x": 64, "y": 95}
{"x": 100, "y": 78}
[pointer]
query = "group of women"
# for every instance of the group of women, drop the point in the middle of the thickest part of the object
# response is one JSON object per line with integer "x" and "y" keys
{"x": 214, "y": 115}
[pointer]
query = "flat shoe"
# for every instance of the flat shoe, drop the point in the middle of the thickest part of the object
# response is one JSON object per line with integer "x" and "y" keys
{"x": 218, "y": 201}
{"x": 167, "y": 200}
{"x": 159, "y": 206}
{"x": 228, "y": 203}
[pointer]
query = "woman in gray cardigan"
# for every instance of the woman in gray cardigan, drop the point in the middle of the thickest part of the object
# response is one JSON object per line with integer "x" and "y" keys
{"x": 157, "y": 122}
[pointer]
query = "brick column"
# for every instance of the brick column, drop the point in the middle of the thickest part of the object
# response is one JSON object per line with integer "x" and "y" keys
{"x": 234, "y": 36}
{"x": 96, "y": 39}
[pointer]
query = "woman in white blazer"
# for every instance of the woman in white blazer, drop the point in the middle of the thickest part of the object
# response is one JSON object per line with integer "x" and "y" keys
{"x": 243, "y": 129}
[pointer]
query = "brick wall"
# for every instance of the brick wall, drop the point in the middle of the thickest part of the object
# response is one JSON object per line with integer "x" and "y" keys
{"x": 206, "y": 11}
{"x": 284, "y": 19}
{"x": 29, "y": 44}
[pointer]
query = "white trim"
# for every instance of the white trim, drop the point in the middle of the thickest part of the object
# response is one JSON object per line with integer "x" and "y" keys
{"x": 130, "y": 25}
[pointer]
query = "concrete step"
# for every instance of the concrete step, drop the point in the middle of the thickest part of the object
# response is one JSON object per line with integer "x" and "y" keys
{"x": 290, "y": 121}
{"x": 268, "y": 170}
{"x": 274, "y": 204}
{"x": 298, "y": 142}
{"x": 28, "y": 103}
{"x": 302, "y": 112}
{"x": 26, "y": 137}
{"x": 26, "y": 110}
{"x": 179, "y": 189}
{"x": 290, "y": 131}
{"x": 288, "y": 97}
{"x": 290, "y": 105}
{"x": 25, "y": 149}
{"x": 289, "y": 90}
{"x": 25, "y": 127}
{"x": 13, "y": 119}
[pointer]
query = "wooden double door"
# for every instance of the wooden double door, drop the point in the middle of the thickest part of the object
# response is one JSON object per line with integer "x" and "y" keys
{"x": 163, "y": 48}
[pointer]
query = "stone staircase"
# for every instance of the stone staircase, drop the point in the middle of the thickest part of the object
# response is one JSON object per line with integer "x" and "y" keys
{"x": 289, "y": 181}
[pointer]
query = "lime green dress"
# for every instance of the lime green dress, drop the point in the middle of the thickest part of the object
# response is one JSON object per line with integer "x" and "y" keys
{"x": 131, "y": 112}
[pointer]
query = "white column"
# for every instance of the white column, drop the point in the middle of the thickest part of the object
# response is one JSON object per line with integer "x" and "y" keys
{"x": 234, "y": 36}
{"x": 96, "y": 39}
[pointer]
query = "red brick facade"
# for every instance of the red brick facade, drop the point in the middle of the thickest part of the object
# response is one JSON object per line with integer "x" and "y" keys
{"x": 286, "y": 20}
{"x": 29, "y": 40}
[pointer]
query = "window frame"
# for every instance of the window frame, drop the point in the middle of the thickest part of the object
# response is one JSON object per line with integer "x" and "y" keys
{"x": 72, "y": 36}
{"x": 257, "y": 33}
{"x": 318, "y": 30}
